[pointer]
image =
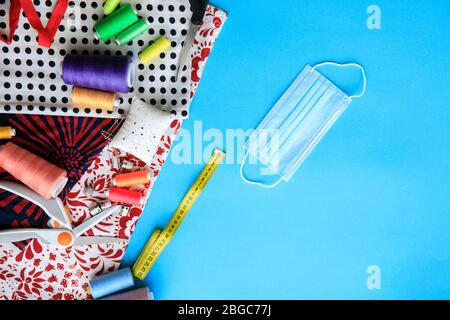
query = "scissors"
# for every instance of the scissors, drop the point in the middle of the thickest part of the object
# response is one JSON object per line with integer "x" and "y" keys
{"x": 198, "y": 12}
{"x": 66, "y": 236}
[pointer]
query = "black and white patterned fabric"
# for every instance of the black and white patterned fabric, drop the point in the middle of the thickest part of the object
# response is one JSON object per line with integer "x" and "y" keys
{"x": 30, "y": 76}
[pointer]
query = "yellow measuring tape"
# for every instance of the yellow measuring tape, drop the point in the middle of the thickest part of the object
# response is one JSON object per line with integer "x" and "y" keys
{"x": 160, "y": 239}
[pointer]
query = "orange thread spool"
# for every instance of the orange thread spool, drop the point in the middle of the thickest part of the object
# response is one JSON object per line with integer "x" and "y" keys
{"x": 7, "y": 132}
{"x": 41, "y": 176}
{"x": 131, "y": 179}
{"x": 125, "y": 196}
{"x": 94, "y": 99}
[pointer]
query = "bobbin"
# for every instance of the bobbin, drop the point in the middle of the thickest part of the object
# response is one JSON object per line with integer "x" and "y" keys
{"x": 8, "y": 132}
{"x": 110, "y": 283}
{"x": 114, "y": 180}
{"x": 138, "y": 28}
{"x": 115, "y": 14}
{"x": 122, "y": 201}
{"x": 131, "y": 73}
{"x": 52, "y": 178}
{"x": 77, "y": 91}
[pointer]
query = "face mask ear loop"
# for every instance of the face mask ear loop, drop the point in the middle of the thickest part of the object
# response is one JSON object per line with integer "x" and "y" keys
{"x": 343, "y": 65}
{"x": 254, "y": 182}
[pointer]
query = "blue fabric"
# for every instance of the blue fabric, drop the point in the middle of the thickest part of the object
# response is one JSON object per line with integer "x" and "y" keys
{"x": 374, "y": 192}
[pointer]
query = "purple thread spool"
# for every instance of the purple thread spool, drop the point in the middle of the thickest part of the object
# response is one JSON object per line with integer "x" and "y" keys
{"x": 107, "y": 73}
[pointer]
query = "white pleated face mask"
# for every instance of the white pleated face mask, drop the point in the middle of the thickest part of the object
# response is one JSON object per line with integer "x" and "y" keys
{"x": 297, "y": 123}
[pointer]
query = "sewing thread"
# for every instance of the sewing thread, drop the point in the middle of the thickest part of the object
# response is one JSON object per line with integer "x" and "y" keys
{"x": 93, "y": 99}
{"x": 153, "y": 51}
{"x": 106, "y": 73}
{"x": 125, "y": 196}
{"x": 133, "y": 31}
{"x": 131, "y": 179}
{"x": 7, "y": 133}
{"x": 110, "y": 283}
{"x": 141, "y": 294}
{"x": 115, "y": 23}
{"x": 110, "y": 6}
{"x": 38, "y": 174}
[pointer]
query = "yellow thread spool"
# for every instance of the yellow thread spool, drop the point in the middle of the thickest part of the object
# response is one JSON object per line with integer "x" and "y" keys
{"x": 94, "y": 99}
{"x": 7, "y": 132}
{"x": 110, "y": 6}
{"x": 152, "y": 52}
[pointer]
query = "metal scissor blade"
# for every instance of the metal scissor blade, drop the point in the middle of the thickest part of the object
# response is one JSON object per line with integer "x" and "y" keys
{"x": 47, "y": 236}
{"x": 185, "y": 54}
{"x": 54, "y": 208}
{"x": 88, "y": 224}
{"x": 85, "y": 241}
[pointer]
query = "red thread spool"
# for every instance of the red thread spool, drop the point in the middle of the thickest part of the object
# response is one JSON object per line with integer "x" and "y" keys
{"x": 125, "y": 196}
{"x": 131, "y": 179}
{"x": 38, "y": 174}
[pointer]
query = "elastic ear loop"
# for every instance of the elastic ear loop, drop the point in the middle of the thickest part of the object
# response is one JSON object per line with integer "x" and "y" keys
{"x": 255, "y": 182}
{"x": 343, "y": 65}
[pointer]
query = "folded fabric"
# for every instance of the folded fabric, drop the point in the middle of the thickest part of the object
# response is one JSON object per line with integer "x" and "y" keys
{"x": 30, "y": 77}
{"x": 142, "y": 130}
{"x": 40, "y": 272}
{"x": 68, "y": 142}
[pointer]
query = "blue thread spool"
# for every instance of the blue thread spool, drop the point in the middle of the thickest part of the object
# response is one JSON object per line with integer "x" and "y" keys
{"x": 111, "y": 283}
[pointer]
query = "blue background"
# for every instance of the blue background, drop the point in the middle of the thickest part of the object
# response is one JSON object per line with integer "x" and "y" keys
{"x": 374, "y": 192}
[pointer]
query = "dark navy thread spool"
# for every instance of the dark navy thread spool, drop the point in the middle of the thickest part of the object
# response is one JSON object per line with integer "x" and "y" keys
{"x": 107, "y": 73}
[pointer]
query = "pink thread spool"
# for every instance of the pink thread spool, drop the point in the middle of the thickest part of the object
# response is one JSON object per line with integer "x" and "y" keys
{"x": 38, "y": 174}
{"x": 125, "y": 196}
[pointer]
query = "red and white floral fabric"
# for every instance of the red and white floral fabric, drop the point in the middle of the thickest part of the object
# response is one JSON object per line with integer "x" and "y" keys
{"x": 43, "y": 272}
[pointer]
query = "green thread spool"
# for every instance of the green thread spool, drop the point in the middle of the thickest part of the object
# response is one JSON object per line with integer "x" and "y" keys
{"x": 133, "y": 31}
{"x": 110, "y": 6}
{"x": 153, "y": 52}
{"x": 115, "y": 23}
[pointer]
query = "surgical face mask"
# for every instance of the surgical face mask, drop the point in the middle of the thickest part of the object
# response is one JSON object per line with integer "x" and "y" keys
{"x": 297, "y": 123}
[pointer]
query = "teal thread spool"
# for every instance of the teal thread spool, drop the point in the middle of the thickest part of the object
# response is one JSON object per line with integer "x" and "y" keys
{"x": 115, "y": 23}
{"x": 133, "y": 31}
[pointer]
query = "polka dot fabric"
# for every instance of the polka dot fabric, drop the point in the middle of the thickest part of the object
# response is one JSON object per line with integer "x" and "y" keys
{"x": 30, "y": 77}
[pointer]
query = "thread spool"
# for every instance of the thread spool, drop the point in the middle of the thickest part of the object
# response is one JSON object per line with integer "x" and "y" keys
{"x": 126, "y": 197}
{"x": 153, "y": 51}
{"x": 7, "y": 132}
{"x": 93, "y": 99}
{"x": 115, "y": 23}
{"x": 133, "y": 31}
{"x": 136, "y": 295}
{"x": 106, "y": 73}
{"x": 110, "y": 283}
{"x": 110, "y": 6}
{"x": 131, "y": 179}
{"x": 41, "y": 176}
